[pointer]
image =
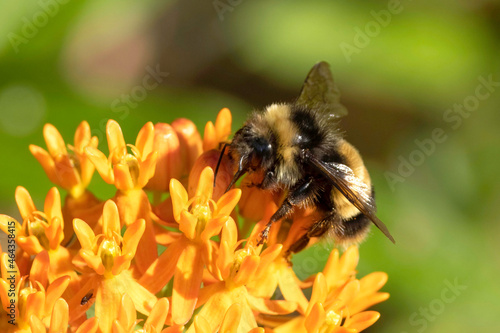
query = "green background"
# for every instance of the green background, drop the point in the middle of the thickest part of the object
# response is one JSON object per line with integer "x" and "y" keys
{"x": 62, "y": 63}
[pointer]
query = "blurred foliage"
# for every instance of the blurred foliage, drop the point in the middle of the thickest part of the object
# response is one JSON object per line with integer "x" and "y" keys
{"x": 78, "y": 64}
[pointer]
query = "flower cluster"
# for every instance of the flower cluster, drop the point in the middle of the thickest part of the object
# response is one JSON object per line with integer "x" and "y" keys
{"x": 168, "y": 252}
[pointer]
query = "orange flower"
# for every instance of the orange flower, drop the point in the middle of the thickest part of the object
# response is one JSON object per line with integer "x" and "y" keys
{"x": 36, "y": 297}
{"x": 130, "y": 173}
{"x": 42, "y": 231}
{"x": 207, "y": 263}
{"x": 105, "y": 261}
{"x": 215, "y": 134}
{"x": 126, "y": 171}
{"x": 199, "y": 219}
{"x": 39, "y": 230}
{"x": 72, "y": 171}
{"x": 234, "y": 269}
{"x": 338, "y": 299}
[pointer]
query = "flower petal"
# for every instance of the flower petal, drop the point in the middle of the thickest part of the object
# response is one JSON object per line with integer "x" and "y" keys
{"x": 24, "y": 202}
{"x": 123, "y": 178}
{"x": 82, "y": 136}
{"x": 36, "y": 325}
{"x": 201, "y": 325}
{"x": 362, "y": 320}
{"x": 54, "y": 140}
{"x": 213, "y": 228}
{"x": 158, "y": 315}
{"x": 174, "y": 329}
{"x": 209, "y": 137}
{"x": 114, "y": 134}
{"x": 315, "y": 319}
{"x": 364, "y": 303}
{"x": 60, "y": 317}
{"x": 231, "y": 319}
{"x": 55, "y": 291}
{"x": 162, "y": 269}
{"x": 247, "y": 269}
{"x": 230, "y": 232}
{"x": 223, "y": 124}
{"x": 148, "y": 168}
{"x": 228, "y": 201}
{"x": 34, "y": 304}
{"x": 89, "y": 326}
{"x": 290, "y": 290}
{"x": 143, "y": 299}
{"x": 187, "y": 281}
{"x": 347, "y": 294}
{"x": 187, "y": 224}
{"x": 349, "y": 261}
{"x": 101, "y": 164}
{"x": 110, "y": 219}
{"x": 127, "y": 315}
{"x": 179, "y": 197}
{"x": 30, "y": 244}
{"x": 84, "y": 234}
{"x": 132, "y": 236}
{"x": 144, "y": 141}
{"x": 271, "y": 307}
{"x": 107, "y": 303}
{"x": 39, "y": 271}
{"x": 372, "y": 283}
{"x": 54, "y": 232}
{"x": 46, "y": 162}
{"x": 52, "y": 206}
{"x": 93, "y": 261}
{"x": 319, "y": 292}
{"x": 205, "y": 184}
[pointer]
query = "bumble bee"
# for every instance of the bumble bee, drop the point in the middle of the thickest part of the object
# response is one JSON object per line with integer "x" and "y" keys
{"x": 298, "y": 148}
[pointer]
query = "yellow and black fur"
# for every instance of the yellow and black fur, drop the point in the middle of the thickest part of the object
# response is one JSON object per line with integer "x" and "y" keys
{"x": 299, "y": 149}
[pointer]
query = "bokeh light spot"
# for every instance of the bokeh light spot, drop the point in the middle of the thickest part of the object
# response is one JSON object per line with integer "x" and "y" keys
{"x": 22, "y": 109}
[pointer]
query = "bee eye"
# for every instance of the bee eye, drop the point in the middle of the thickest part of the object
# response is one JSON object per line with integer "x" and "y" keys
{"x": 261, "y": 147}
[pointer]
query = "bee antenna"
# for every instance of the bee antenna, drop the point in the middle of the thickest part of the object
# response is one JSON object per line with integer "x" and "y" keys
{"x": 220, "y": 160}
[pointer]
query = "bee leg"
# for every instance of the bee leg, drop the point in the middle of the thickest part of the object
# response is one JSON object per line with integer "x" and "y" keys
{"x": 318, "y": 229}
{"x": 296, "y": 195}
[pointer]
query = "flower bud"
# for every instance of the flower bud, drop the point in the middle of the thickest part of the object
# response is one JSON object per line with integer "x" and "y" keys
{"x": 190, "y": 142}
{"x": 224, "y": 174}
{"x": 169, "y": 163}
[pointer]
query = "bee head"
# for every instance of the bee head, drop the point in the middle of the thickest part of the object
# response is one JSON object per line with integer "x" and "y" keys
{"x": 252, "y": 151}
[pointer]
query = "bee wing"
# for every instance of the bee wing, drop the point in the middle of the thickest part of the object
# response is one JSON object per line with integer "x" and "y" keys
{"x": 319, "y": 92}
{"x": 344, "y": 180}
